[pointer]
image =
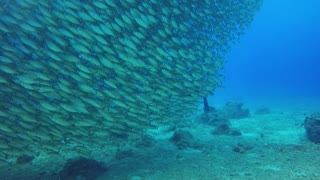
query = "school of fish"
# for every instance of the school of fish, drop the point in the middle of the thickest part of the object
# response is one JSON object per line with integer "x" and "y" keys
{"x": 73, "y": 72}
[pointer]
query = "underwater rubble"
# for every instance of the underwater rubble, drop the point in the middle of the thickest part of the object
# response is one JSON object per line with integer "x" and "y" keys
{"x": 81, "y": 168}
{"x": 235, "y": 110}
{"x": 220, "y": 118}
{"x": 184, "y": 139}
{"x": 225, "y": 129}
{"x": 312, "y": 127}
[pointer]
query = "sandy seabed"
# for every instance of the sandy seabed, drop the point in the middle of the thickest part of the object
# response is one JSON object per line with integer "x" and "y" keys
{"x": 272, "y": 146}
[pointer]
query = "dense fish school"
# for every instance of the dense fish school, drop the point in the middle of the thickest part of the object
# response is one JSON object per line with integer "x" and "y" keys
{"x": 74, "y": 74}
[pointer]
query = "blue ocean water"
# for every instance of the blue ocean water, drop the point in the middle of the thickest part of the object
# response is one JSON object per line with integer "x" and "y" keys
{"x": 278, "y": 58}
{"x": 74, "y": 136}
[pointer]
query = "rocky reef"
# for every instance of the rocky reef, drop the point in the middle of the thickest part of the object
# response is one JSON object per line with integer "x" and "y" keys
{"x": 312, "y": 127}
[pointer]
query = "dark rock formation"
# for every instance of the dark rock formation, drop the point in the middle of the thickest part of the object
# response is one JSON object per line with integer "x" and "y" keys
{"x": 184, "y": 139}
{"x": 206, "y": 107}
{"x": 214, "y": 118}
{"x": 234, "y": 110}
{"x": 218, "y": 119}
{"x": 81, "y": 168}
{"x": 312, "y": 126}
{"x": 242, "y": 148}
{"x": 224, "y": 129}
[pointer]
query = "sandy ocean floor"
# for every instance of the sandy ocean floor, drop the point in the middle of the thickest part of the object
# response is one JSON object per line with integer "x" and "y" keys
{"x": 272, "y": 146}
